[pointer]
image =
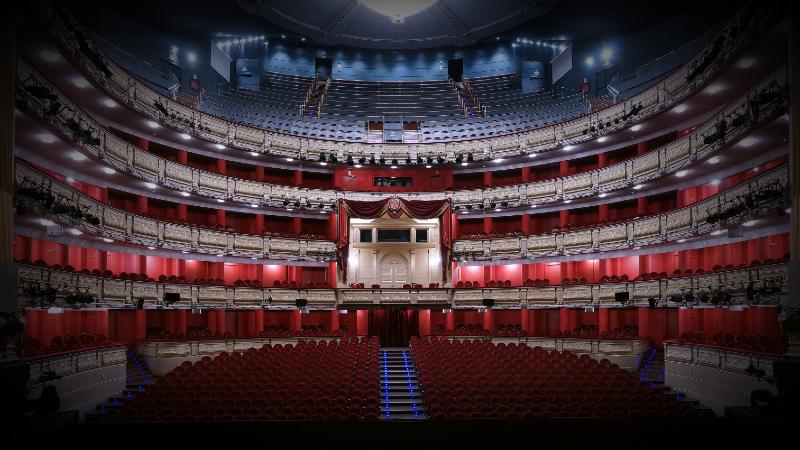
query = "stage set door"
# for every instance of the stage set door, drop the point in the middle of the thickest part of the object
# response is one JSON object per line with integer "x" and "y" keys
{"x": 393, "y": 326}
{"x": 393, "y": 270}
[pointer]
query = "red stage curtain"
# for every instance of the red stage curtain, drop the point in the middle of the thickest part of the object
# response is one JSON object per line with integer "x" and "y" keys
{"x": 394, "y": 207}
{"x": 394, "y": 327}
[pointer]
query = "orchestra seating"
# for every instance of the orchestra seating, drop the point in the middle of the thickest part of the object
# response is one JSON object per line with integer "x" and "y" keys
{"x": 473, "y": 379}
{"x": 312, "y": 380}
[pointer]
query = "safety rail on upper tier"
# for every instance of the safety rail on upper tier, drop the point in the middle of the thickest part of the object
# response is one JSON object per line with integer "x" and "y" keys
{"x": 742, "y": 30}
{"x": 40, "y": 97}
{"x": 753, "y": 198}
{"x": 772, "y": 280}
{"x": 69, "y": 206}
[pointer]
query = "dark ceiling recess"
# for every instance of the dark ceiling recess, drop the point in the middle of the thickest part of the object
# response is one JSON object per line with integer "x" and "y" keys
{"x": 376, "y": 24}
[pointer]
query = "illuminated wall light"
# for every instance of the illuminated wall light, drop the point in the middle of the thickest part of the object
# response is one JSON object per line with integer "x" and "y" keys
{"x": 47, "y": 223}
{"x": 191, "y": 57}
{"x": 750, "y": 223}
{"x": 602, "y": 139}
{"x": 219, "y": 200}
{"x": 498, "y": 160}
{"x": 323, "y": 163}
{"x": 108, "y": 170}
{"x": 717, "y": 232}
{"x": 748, "y": 141}
{"x": 76, "y": 156}
{"x": 357, "y": 166}
{"x": 185, "y": 136}
{"x": 80, "y": 82}
{"x": 681, "y": 173}
{"x": 108, "y": 103}
{"x": 715, "y": 87}
{"x": 636, "y": 127}
{"x": 184, "y": 252}
{"x": 464, "y": 164}
{"x": 152, "y": 124}
{"x": 107, "y": 240}
{"x": 638, "y": 186}
{"x": 427, "y": 166}
{"x": 533, "y": 206}
{"x": 715, "y": 182}
{"x": 393, "y": 167}
{"x": 219, "y": 146}
{"x": 253, "y": 205}
{"x": 567, "y": 201}
{"x": 75, "y": 232}
{"x": 590, "y": 61}
{"x": 497, "y": 210}
{"x": 70, "y": 180}
{"x": 289, "y": 159}
{"x": 150, "y": 185}
{"x": 607, "y": 53}
{"x": 714, "y": 160}
{"x": 185, "y": 194}
{"x": 681, "y": 241}
{"x": 680, "y": 108}
{"x": 253, "y": 154}
{"x": 151, "y": 248}
{"x": 47, "y": 138}
{"x": 602, "y": 195}
{"x": 533, "y": 155}
{"x": 568, "y": 147}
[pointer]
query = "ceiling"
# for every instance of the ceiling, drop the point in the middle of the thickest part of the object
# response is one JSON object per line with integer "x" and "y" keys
{"x": 381, "y": 23}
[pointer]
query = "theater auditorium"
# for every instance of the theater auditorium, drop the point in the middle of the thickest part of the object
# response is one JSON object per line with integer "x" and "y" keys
{"x": 450, "y": 222}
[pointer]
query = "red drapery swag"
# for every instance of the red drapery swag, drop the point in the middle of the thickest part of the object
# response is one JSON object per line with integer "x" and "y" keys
{"x": 395, "y": 207}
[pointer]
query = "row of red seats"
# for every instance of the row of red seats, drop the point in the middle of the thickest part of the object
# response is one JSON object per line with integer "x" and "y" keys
{"x": 32, "y": 347}
{"x": 405, "y": 286}
{"x": 474, "y": 379}
{"x": 292, "y": 284}
{"x": 467, "y": 284}
{"x": 757, "y": 343}
{"x": 478, "y": 330}
{"x": 308, "y": 381}
{"x": 593, "y": 332}
{"x": 200, "y": 333}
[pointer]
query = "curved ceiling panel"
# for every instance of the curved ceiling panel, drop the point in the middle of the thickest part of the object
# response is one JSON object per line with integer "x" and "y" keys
{"x": 389, "y": 24}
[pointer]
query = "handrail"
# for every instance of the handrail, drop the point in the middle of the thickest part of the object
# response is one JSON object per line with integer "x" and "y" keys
{"x": 668, "y": 158}
{"x": 183, "y": 236}
{"x": 110, "y": 290}
{"x": 670, "y": 226}
{"x": 216, "y": 129}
